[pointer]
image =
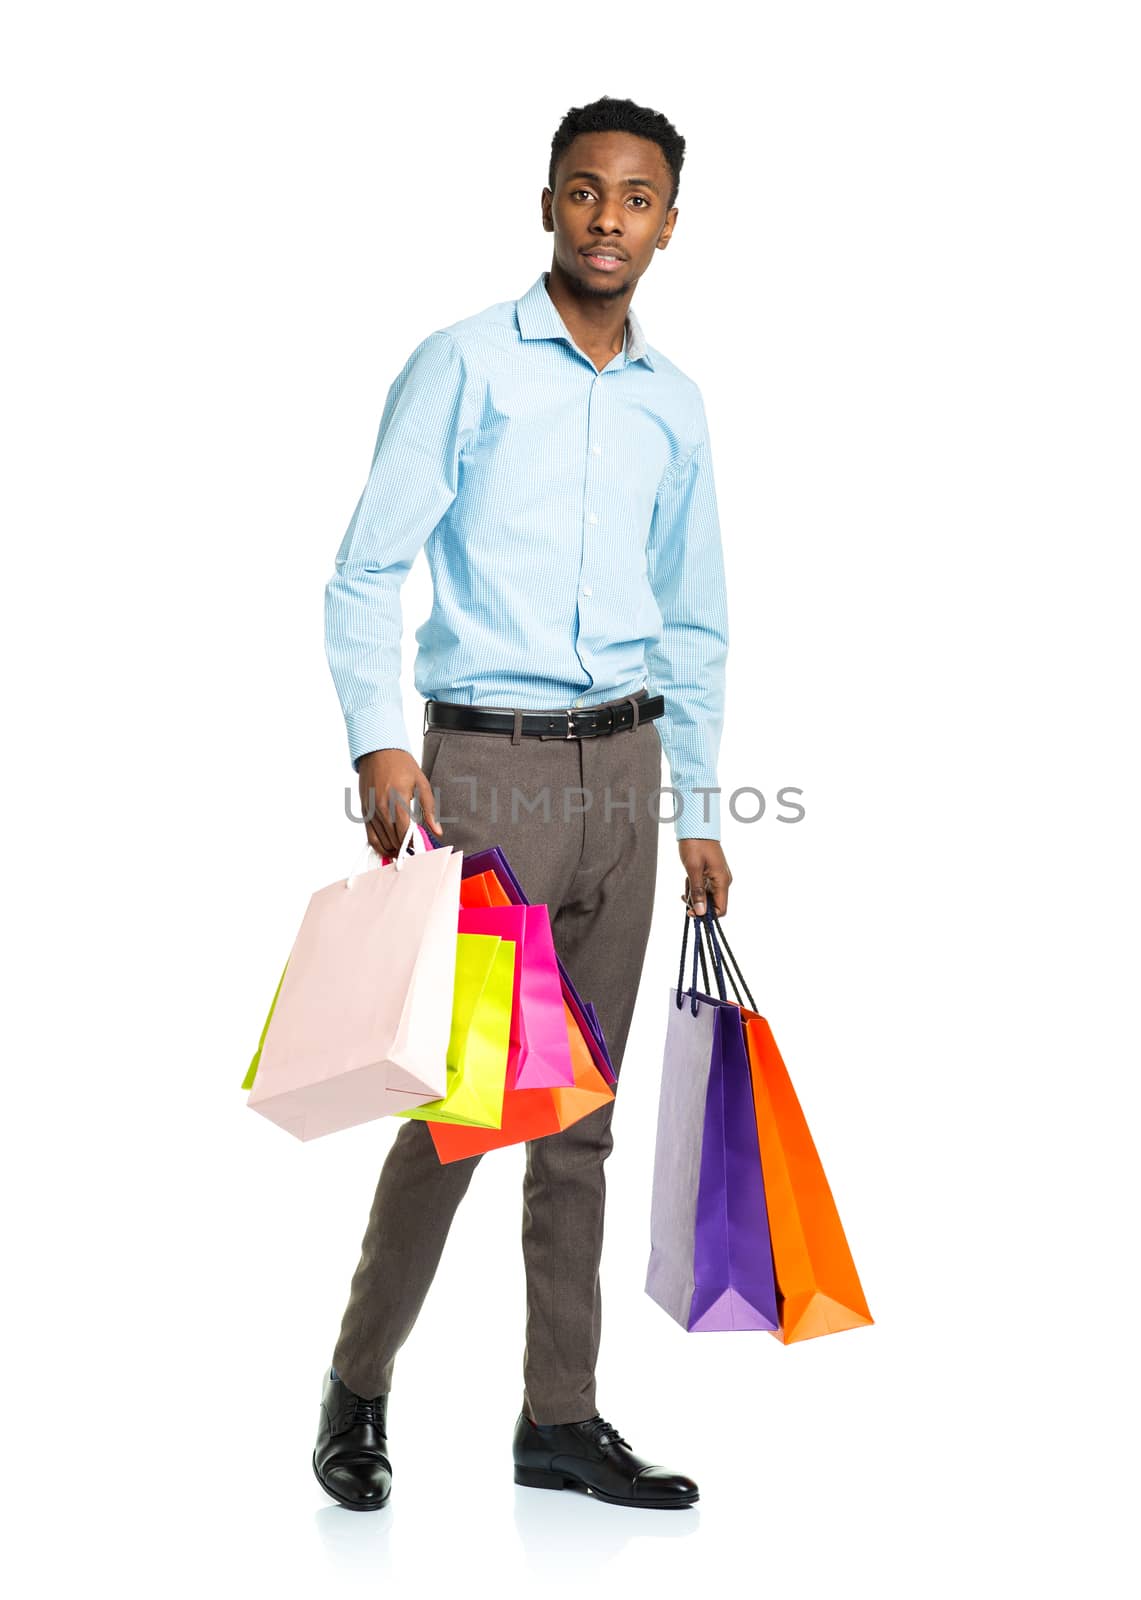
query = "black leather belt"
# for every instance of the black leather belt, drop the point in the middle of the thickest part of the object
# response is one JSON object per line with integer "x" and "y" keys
{"x": 577, "y": 722}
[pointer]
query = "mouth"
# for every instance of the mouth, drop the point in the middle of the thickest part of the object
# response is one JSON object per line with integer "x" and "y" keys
{"x": 603, "y": 261}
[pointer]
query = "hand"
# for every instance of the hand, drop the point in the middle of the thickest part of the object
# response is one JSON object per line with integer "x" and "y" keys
{"x": 706, "y": 870}
{"x": 388, "y": 780}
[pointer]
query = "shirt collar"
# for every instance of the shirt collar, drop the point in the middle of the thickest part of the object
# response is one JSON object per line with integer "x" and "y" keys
{"x": 538, "y": 318}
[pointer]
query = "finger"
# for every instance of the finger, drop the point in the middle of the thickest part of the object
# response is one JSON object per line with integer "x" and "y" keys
{"x": 381, "y": 839}
{"x": 375, "y": 839}
{"x": 401, "y": 816}
{"x": 718, "y": 890}
{"x": 378, "y": 824}
{"x": 389, "y": 824}
{"x": 427, "y": 804}
{"x": 370, "y": 809}
{"x": 696, "y": 891}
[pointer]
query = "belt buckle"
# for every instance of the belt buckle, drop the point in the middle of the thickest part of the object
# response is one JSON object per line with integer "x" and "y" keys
{"x": 570, "y": 733}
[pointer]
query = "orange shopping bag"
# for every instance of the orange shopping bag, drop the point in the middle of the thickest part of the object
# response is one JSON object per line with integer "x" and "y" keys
{"x": 818, "y": 1288}
{"x": 483, "y": 889}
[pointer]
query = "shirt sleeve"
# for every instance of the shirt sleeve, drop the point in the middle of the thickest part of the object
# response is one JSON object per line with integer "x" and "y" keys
{"x": 685, "y": 568}
{"x": 413, "y": 480}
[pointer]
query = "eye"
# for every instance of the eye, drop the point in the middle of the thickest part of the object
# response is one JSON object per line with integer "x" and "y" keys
{"x": 640, "y": 197}
{"x": 576, "y": 192}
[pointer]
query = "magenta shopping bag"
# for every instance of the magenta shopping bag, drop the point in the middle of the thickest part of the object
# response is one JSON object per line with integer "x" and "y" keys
{"x": 494, "y": 860}
{"x": 711, "y": 1264}
{"x": 540, "y": 1055}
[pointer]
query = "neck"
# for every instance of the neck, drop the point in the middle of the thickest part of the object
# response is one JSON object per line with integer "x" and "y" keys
{"x": 596, "y": 322}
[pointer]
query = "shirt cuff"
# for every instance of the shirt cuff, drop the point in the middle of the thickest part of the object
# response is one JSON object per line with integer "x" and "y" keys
{"x": 694, "y": 806}
{"x": 376, "y": 728}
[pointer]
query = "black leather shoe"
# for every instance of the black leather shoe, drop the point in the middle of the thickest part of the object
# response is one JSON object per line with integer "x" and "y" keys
{"x": 351, "y": 1459}
{"x": 593, "y": 1456}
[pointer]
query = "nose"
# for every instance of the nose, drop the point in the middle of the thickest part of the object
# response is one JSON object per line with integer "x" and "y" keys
{"x": 608, "y": 217}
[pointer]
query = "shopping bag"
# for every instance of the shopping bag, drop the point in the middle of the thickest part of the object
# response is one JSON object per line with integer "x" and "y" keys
{"x": 481, "y": 1034}
{"x": 818, "y": 1287}
{"x": 480, "y": 1040}
{"x": 252, "y": 1069}
{"x": 533, "y": 1113}
{"x": 710, "y": 1264}
{"x": 361, "y": 1020}
{"x": 541, "y": 1058}
{"x": 495, "y": 862}
{"x": 251, "y": 1072}
{"x": 484, "y": 888}
{"x": 816, "y": 1276}
{"x": 487, "y": 879}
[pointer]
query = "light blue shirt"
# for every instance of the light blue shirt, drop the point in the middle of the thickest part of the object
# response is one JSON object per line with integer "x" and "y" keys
{"x": 569, "y": 520}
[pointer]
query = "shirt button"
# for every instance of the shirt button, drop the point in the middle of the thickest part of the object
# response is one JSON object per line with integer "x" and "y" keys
{"x": 588, "y": 591}
{"x": 592, "y": 517}
{"x": 578, "y": 702}
{"x": 596, "y": 449}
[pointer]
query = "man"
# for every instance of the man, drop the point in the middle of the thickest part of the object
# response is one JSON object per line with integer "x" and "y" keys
{"x": 556, "y": 469}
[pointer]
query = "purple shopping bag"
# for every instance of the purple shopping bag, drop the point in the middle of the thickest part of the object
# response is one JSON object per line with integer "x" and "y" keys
{"x": 590, "y": 1014}
{"x": 711, "y": 1264}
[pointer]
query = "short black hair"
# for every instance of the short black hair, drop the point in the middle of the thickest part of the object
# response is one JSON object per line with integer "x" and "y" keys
{"x": 609, "y": 115}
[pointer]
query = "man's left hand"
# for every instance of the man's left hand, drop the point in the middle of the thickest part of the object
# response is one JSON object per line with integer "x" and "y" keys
{"x": 706, "y": 872}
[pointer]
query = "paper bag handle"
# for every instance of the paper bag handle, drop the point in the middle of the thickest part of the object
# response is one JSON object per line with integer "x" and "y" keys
{"x": 401, "y": 856}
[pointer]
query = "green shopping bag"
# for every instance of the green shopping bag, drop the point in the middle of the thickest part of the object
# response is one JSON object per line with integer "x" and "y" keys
{"x": 481, "y": 1035}
{"x": 480, "y": 1038}
{"x": 252, "y": 1069}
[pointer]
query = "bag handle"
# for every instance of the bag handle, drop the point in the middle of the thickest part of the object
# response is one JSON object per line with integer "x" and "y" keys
{"x": 715, "y": 933}
{"x": 402, "y": 855}
{"x": 698, "y": 951}
{"x": 421, "y": 836}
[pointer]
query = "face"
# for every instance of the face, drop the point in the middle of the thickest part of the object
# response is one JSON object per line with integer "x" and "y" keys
{"x": 610, "y": 197}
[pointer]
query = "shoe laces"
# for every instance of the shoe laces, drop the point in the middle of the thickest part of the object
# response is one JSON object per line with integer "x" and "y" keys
{"x": 368, "y": 1411}
{"x": 601, "y": 1432}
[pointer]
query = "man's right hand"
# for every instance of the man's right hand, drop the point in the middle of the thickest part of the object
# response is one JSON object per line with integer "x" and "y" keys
{"x": 388, "y": 780}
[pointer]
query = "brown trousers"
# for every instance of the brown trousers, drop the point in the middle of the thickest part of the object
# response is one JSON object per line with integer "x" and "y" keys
{"x": 597, "y": 873}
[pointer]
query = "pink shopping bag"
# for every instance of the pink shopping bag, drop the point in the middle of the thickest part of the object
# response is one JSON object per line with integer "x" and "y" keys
{"x": 361, "y": 1022}
{"x": 540, "y": 1046}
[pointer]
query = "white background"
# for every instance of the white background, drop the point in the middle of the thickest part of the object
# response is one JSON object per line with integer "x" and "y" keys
{"x": 905, "y": 276}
